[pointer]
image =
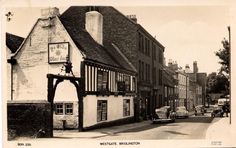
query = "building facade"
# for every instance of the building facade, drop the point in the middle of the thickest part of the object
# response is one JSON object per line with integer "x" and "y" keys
{"x": 198, "y": 84}
{"x": 54, "y": 41}
{"x": 184, "y": 86}
{"x": 170, "y": 82}
{"x": 142, "y": 50}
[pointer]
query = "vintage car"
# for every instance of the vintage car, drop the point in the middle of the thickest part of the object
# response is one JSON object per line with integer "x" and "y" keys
{"x": 181, "y": 112}
{"x": 164, "y": 114}
{"x": 199, "y": 110}
{"x": 217, "y": 112}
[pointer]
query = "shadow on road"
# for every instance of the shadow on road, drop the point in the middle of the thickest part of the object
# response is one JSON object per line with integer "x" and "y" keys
{"x": 147, "y": 127}
{"x": 177, "y": 133}
{"x": 196, "y": 119}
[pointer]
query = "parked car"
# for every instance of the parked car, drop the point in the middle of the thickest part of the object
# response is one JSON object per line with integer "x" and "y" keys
{"x": 211, "y": 108}
{"x": 181, "y": 112}
{"x": 217, "y": 112}
{"x": 164, "y": 114}
{"x": 199, "y": 110}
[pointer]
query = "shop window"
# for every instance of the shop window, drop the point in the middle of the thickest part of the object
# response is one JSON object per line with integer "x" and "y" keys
{"x": 59, "y": 109}
{"x": 102, "y": 80}
{"x": 68, "y": 108}
{"x": 126, "y": 107}
{"x": 101, "y": 110}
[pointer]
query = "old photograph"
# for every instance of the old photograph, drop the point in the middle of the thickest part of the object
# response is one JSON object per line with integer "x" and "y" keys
{"x": 117, "y": 75}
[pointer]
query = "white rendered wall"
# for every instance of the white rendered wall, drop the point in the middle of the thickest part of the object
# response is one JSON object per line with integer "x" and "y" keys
{"x": 30, "y": 73}
{"x": 114, "y": 108}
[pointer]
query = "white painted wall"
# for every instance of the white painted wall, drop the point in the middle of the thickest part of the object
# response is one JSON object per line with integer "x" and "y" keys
{"x": 114, "y": 108}
{"x": 72, "y": 121}
{"x": 30, "y": 81}
{"x": 7, "y": 69}
{"x": 94, "y": 25}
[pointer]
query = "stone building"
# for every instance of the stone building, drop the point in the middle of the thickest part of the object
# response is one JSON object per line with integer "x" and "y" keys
{"x": 170, "y": 82}
{"x": 182, "y": 86}
{"x": 198, "y": 83}
{"x": 109, "y": 78}
{"x": 13, "y": 42}
{"x": 142, "y": 50}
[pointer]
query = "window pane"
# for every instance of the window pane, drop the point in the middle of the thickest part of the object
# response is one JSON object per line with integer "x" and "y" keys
{"x": 126, "y": 108}
{"x": 101, "y": 110}
{"x": 69, "y": 109}
{"x": 59, "y": 109}
{"x": 102, "y": 80}
{"x": 99, "y": 80}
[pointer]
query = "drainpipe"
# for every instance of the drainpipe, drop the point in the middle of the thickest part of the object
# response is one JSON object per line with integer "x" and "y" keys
{"x": 11, "y": 61}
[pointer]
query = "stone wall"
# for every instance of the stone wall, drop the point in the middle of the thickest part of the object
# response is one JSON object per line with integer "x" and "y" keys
{"x": 28, "y": 119}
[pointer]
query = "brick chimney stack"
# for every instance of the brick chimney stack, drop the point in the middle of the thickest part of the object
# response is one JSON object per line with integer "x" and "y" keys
{"x": 195, "y": 68}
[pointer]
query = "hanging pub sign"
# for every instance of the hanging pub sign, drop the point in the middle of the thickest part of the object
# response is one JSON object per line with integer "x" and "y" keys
{"x": 57, "y": 52}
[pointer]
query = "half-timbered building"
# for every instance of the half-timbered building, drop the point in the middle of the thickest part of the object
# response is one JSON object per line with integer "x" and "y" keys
{"x": 109, "y": 87}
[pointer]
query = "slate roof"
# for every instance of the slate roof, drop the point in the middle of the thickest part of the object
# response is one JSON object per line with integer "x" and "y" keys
{"x": 93, "y": 51}
{"x": 13, "y": 42}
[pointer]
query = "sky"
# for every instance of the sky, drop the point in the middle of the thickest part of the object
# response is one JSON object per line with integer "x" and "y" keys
{"x": 188, "y": 33}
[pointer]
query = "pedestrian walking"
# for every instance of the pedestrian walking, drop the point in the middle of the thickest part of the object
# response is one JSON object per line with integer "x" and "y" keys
{"x": 227, "y": 109}
{"x": 224, "y": 110}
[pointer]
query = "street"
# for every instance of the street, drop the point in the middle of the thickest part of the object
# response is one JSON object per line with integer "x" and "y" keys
{"x": 194, "y": 127}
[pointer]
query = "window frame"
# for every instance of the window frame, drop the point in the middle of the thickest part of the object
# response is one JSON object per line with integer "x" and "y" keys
{"x": 56, "y": 109}
{"x": 68, "y": 113}
{"x": 100, "y": 87}
{"x": 100, "y": 111}
{"x": 126, "y": 107}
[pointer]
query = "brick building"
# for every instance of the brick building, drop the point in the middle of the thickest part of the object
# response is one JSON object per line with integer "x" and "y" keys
{"x": 142, "y": 50}
{"x": 109, "y": 78}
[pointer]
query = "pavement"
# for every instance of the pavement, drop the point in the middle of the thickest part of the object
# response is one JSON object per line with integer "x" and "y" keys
{"x": 221, "y": 130}
{"x": 98, "y": 133}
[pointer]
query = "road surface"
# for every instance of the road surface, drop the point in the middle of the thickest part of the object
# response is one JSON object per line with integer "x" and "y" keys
{"x": 194, "y": 127}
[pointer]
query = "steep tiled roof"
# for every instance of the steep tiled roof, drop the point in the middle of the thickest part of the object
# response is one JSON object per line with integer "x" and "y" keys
{"x": 93, "y": 51}
{"x": 13, "y": 42}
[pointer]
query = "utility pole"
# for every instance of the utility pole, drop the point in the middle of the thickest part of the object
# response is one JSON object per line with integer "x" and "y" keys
{"x": 230, "y": 74}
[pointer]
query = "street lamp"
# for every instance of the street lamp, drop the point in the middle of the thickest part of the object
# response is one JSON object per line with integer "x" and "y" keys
{"x": 175, "y": 97}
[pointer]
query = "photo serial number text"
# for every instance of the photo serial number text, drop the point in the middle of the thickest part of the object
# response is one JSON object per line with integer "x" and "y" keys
{"x": 119, "y": 143}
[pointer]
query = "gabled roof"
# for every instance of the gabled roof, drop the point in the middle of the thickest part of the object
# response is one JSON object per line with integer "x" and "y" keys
{"x": 13, "y": 42}
{"x": 92, "y": 50}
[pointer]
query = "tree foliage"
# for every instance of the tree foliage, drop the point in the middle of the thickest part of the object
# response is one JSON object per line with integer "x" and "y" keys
{"x": 224, "y": 56}
{"x": 217, "y": 83}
